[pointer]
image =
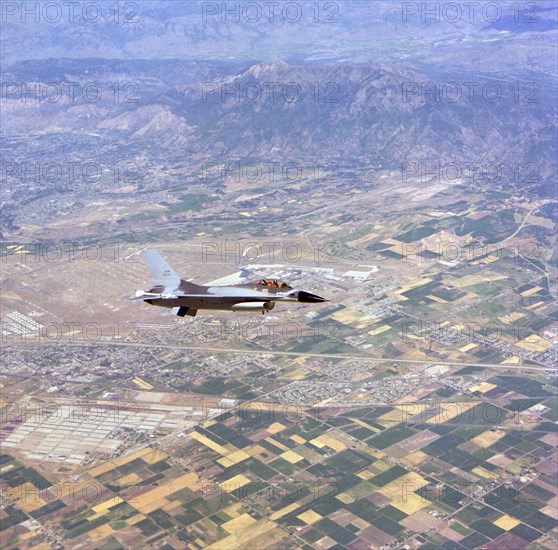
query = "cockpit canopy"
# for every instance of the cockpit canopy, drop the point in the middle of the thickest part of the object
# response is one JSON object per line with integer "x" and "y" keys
{"x": 274, "y": 283}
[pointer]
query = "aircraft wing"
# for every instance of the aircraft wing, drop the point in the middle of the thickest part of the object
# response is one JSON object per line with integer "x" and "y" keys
{"x": 163, "y": 296}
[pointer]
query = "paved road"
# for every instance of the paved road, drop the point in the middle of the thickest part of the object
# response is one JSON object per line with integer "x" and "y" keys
{"x": 545, "y": 369}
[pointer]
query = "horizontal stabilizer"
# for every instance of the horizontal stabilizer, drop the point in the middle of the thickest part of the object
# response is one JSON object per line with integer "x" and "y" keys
{"x": 136, "y": 298}
{"x": 142, "y": 295}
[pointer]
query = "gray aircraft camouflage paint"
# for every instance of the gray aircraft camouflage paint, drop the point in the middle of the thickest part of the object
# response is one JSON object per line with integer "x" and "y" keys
{"x": 185, "y": 298}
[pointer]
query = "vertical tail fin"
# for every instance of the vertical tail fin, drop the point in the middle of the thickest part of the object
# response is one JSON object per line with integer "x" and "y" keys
{"x": 161, "y": 272}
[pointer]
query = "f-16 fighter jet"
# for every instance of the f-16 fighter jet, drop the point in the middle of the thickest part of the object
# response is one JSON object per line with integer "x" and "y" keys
{"x": 185, "y": 298}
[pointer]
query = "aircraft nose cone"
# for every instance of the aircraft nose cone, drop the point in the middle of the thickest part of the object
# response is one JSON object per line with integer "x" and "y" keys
{"x": 309, "y": 298}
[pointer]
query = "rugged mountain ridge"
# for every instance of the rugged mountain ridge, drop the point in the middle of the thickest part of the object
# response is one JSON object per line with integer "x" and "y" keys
{"x": 387, "y": 114}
